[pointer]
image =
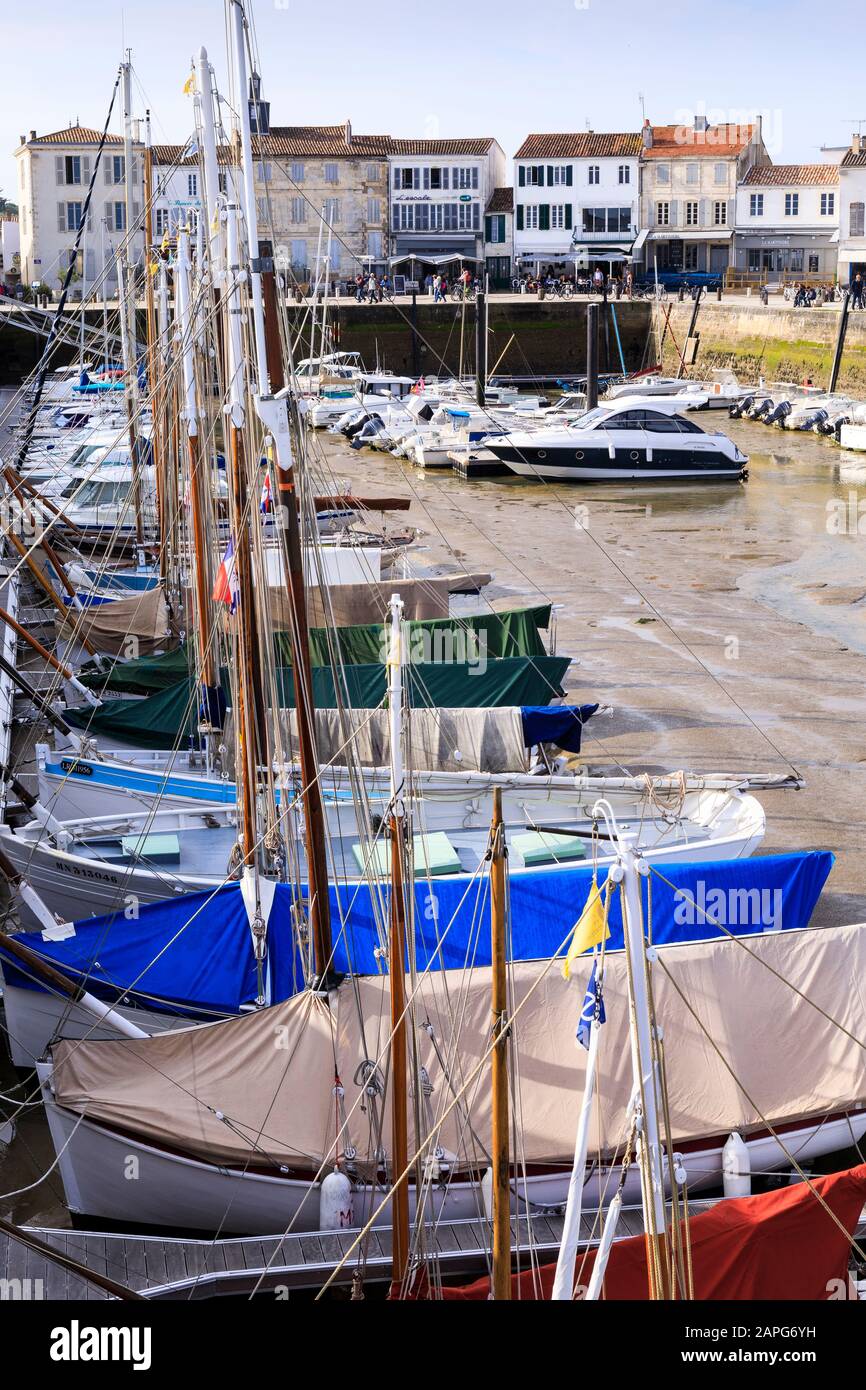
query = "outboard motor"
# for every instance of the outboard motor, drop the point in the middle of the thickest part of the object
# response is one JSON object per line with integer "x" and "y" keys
{"x": 368, "y": 431}
{"x": 761, "y": 410}
{"x": 834, "y": 426}
{"x": 739, "y": 408}
{"x": 779, "y": 415}
{"x": 356, "y": 426}
{"x": 811, "y": 421}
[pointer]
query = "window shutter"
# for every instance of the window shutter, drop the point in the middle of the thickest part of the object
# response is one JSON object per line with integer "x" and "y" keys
{"x": 396, "y": 176}
{"x": 135, "y": 169}
{"x": 106, "y": 168}
{"x": 568, "y": 216}
{"x": 569, "y": 173}
{"x": 732, "y": 211}
{"x": 521, "y": 176}
{"x": 520, "y": 217}
{"x": 544, "y": 217}
{"x": 475, "y": 176}
{"x": 488, "y": 229}
{"x": 59, "y": 169}
{"x": 85, "y": 169}
{"x": 672, "y": 218}
{"x": 426, "y": 177}
{"x": 61, "y": 217}
{"x": 136, "y": 212}
{"x": 89, "y": 221}
{"x": 501, "y": 220}
{"x": 109, "y": 220}
{"x": 550, "y": 175}
{"x": 416, "y": 178}
{"x": 704, "y": 212}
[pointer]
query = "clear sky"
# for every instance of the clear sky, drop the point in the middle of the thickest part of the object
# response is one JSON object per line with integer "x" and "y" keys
{"x": 456, "y": 67}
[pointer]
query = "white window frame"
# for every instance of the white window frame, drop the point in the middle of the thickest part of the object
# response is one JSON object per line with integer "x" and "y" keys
{"x": 663, "y": 214}
{"x": 692, "y": 213}
{"x": 828, "y": 204}
{"x": 663, "y": 174}
{"x": 792, "y": 204}
{"x": 720, "y": 213}
{"x": 593, "y": 174}
{"x": 530, "y": 217}
{"x": 624, "y": 173}
{"x": 693, "y": 174}
{"x": 756, "y": 204}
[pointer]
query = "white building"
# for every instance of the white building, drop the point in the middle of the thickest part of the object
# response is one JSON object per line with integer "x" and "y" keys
{"x": 576, "y": 201}
{"x": 439, "y": 190}
{"x": 787, "y": 222}
{"x": 689, "y": 180}
{"x": 852, "y": 212}
{"x": 499, "y": 239}
{"x": 10, "y": 248}
{"x": 54, "y": 173}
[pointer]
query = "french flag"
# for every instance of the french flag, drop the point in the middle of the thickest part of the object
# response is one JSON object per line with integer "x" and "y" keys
{"x": 265, "y": 504}
{"x": 226, "y": 590}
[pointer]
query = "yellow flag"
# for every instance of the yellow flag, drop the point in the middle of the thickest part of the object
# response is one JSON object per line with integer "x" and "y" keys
{"x": 591, "y": 928}
{"x": 164, "y": 244}
{"x": 189, "y": 85}
{"x": 153, "y": 267}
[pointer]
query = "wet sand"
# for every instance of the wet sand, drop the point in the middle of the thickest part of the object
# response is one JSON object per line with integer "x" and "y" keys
{"x": 725, "y": 625}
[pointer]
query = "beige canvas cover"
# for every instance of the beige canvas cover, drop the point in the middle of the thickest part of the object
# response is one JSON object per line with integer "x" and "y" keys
{"x": 793, "y": 1061}
{"x": 348, "y": 605}
{"x": 443, "y": 740}
{"x": 132, "y": 626}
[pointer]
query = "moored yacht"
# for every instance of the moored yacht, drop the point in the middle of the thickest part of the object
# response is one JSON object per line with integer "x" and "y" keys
{"x": 633, "y": 439}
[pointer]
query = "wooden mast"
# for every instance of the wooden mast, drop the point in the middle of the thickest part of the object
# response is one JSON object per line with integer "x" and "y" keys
{"x": 128, "y": 315}
{"x": 273, "y": 412}
{"x": 501, "y": 1282}
{"x": 154, "y": 372}
{"x": 396, "y": 962}
{"x": 198, "y": 492}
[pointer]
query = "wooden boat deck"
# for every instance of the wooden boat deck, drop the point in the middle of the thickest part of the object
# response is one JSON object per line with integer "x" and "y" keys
{"x": 171, "y": 1268}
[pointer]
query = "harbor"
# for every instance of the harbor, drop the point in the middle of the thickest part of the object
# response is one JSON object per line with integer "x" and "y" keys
{"x": 432, "y": 653}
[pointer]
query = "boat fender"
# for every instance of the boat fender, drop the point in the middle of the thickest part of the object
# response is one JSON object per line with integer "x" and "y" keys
{"x": 487, "y": 1193}
{"x": 336, "y": 1202}
{"x": 736, "y": 1167}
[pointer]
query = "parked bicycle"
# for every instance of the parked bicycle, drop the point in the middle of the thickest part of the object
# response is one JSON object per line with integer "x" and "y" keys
{"x": 460, "y": 292}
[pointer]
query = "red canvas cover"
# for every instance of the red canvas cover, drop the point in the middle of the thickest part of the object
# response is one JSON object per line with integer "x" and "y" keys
{"x": 780, "y": 1245}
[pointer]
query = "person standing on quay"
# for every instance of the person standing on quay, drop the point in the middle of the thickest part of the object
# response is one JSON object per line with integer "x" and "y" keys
{"x": 857, "y": 291}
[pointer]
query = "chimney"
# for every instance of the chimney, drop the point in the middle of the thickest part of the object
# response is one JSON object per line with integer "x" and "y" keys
{"x": 348, "y": 132}
{"x": 136, "y": 131}
{"x": 855, "y": 144}
{"x": 33, "y": 135}
{"x": 647, "y": 135}
{"x": 701, "y": 123}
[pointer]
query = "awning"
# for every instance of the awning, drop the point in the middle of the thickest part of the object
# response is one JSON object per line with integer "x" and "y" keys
{"x": 691, "y": 234}
{"x": 438, "y": 259}
{"x": 640, "y": 239}
{"x": 835, "y": 236}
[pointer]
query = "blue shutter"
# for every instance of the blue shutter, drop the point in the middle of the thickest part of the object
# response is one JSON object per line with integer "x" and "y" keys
{"x": 521, "y": 175}
{"x": 544, "y": 217}
{"x": 520, "y": 217}
{"x": 488, "y": 229}
{"x": 568, "y": 175}
{"x": 550, "y": 175}
{"x": 568, "y": 216}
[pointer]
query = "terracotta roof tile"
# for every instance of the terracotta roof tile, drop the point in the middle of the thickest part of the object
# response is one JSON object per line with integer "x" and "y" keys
{"x": 75, "y": 135}
{"x": 323, "y": 141}
{"x": 777, "y": 175}
{"x": 501, "y": 200}
{"x": 475, "y": 146}
{"x": 684, "y": 142}
{"x": 585, "y": 144}
{"x": 854, "y": 161}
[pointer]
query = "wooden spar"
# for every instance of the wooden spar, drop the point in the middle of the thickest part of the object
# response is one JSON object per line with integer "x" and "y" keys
{"x": 127, "y": 314}
{"x": 274, "y": 415}
{"x": 251, "y": 731}
{"x": 366, "y": 504}
{"x": 153, "y": 373}
{"x": 44, "y": 706}
{"x": 45, "y": 584}
{"x": 46, "y": 655}
{"x": 396, "y": 962}
{"x": 399, "y": 1070}
{"x": 198, "y": 494}
{"x": 16, "y": 482}
{"x": 501, "y": 1279}
{"x": 101, "y": 1011}
{"x": 276, "y": 376}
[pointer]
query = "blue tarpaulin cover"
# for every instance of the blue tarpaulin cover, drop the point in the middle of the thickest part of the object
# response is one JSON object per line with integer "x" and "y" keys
{"x": 559, "y": 724}
{"x": 205, "y": 953}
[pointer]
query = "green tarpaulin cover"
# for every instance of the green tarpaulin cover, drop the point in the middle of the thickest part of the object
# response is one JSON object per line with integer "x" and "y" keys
{"x": 159, "y": 720}
{"x": 513, "y": 633}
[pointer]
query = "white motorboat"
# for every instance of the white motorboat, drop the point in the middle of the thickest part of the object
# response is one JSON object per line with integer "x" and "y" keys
{"x": 633, "y": 440}
{"x": 92, "y": 865}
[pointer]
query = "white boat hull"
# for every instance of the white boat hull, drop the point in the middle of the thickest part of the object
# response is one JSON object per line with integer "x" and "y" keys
{"x": 186, "y": 1194}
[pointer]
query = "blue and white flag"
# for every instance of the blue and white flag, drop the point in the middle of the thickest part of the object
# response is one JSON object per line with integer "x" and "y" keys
{"x": 592, "y": 1013}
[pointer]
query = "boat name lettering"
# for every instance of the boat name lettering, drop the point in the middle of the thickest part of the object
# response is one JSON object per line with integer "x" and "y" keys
{"x": 78, "y": 872}
{"x": 75, "y": 768}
